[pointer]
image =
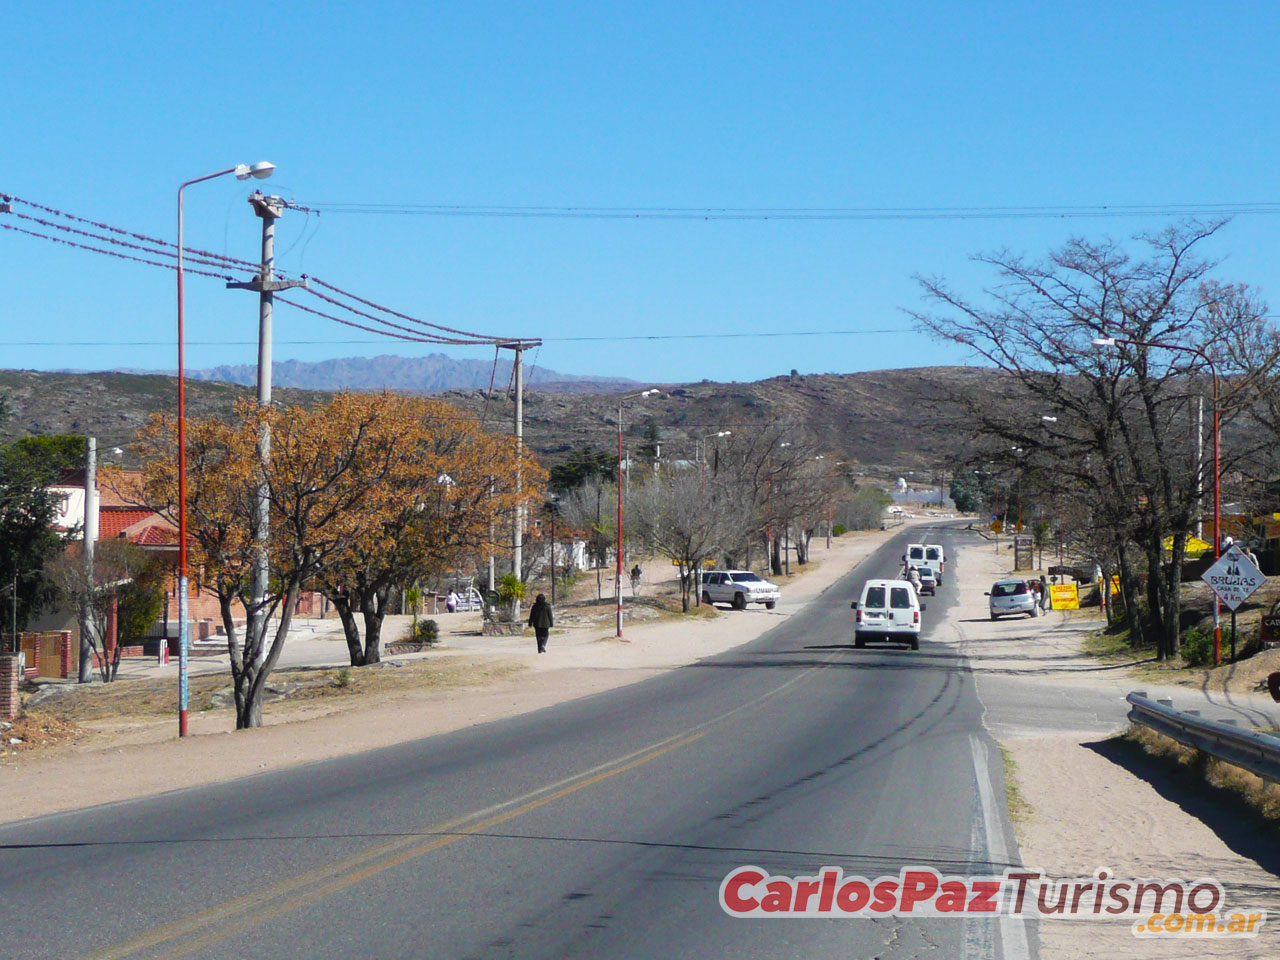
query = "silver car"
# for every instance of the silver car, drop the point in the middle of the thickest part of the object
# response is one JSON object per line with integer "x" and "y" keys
{"x": 1012, "y": 596}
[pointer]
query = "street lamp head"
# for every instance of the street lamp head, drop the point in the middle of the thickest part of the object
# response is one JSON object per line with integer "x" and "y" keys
{"x": 259, "y": 171}
{"x": 1104, "y": 341}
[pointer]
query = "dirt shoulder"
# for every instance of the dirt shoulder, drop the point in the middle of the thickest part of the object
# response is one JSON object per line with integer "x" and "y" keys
{"x": 1090, "y": 801}
{"x": 125, "y": 752}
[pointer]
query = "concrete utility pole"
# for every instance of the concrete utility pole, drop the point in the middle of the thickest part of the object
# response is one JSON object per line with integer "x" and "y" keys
{"x": 90, "y": 528}
{"x": 269, "y": 209}
{"x": 517, "y": 533}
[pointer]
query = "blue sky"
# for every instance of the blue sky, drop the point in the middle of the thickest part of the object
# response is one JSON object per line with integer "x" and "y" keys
{"x": 109, "y": 107}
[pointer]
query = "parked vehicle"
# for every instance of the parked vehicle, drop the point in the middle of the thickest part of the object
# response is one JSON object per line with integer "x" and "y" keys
{"x": 928, "y": 580}
{"x": 1012, "y": 596}
{"x": 888, "y": 610}
{"x": 936, "y": 558}
{"x": 739, "y": 588}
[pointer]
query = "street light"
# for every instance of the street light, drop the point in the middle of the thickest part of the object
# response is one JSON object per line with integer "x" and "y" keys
{"x": 242, "y": 171}
{"x": 617, "y": 582}
{"x": 1217, "y": 468}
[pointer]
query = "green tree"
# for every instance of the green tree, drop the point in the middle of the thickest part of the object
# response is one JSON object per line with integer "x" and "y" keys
{"x": 582, "y": 466}
{"x": 52, "y": 453}
{"x": 28, "y": 539}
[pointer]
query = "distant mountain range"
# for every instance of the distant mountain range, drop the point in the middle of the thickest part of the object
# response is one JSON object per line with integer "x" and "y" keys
{"x": 431, "y": 374}
{"x": 889, "y": 422}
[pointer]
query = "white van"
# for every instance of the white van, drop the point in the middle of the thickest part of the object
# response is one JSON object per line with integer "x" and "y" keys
{"x": 914, "y": 557}
{"x": 935, "y": 557}
{"x": 888, "y": 610}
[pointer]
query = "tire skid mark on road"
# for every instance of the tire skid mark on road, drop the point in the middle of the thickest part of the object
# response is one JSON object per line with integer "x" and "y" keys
{"x": 313, "y": 885}
{"x": 750, "y": 811}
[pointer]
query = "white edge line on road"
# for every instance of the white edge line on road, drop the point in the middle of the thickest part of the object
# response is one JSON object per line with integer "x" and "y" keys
{"x": 1013, "y": 932}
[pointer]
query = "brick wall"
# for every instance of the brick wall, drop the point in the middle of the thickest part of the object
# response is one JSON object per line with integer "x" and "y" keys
{"x": 70, "y": 662}
{"x": 9, "y": 702}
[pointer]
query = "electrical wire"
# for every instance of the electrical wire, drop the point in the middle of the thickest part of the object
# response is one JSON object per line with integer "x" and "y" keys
{"x": 128, "y": 233}
{"x": 413, "y": 338}
{"x": 161, "y": 248}
{"x": 424, "y": 339}
{"x": 402, "y": 316}
{"x": 1065, "y": 211}
{"x": 113, "y": 253}
{"x": 190, "y": 256}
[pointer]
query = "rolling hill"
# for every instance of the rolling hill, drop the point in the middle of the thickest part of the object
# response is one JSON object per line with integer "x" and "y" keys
{"x": 886, "y": 421}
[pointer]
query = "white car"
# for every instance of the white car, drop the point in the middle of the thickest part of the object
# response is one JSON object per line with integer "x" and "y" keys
{"x": 739, "y": 588}
{"x": 888, "y": 610}
{"x": 928, "y": 580}
{"x": 936, "y": 558}
{"x": 1012, "y": 596}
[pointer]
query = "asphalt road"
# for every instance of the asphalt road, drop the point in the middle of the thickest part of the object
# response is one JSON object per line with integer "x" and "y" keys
{"x": 602, "y": 827}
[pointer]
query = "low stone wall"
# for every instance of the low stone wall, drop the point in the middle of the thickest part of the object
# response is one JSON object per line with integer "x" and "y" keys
{"x": 492, "y": 628}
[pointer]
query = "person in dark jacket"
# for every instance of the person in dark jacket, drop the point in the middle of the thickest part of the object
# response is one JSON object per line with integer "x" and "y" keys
{"x": 541, "y": 620}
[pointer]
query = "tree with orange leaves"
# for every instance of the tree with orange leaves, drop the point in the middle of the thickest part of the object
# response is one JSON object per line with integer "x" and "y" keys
{"x": 450, "y": 485}
{"x": 348, "y": 481}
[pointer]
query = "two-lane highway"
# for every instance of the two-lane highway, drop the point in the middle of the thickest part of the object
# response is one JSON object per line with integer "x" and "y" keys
{"x": 601, "y": 827}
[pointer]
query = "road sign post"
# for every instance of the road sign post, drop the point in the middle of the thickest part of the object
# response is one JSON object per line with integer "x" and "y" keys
{"x": 1233, "y": 578}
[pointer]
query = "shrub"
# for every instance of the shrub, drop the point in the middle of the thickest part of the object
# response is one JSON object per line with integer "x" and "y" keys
{"x": 426, "y": 632}
{"x": 839, "y": 530}
{"x": 1197, "y": 648}
{"x": 511, "y": 587}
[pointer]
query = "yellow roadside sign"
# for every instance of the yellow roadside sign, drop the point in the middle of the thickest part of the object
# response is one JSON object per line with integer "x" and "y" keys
{"x": 1195, "y": 547}
{"x": 1064, "y": 596}
{"x": 997, "y": 525}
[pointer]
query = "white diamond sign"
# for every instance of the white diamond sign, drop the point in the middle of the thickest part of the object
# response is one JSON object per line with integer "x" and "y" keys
{"x": 1233, "y": 578}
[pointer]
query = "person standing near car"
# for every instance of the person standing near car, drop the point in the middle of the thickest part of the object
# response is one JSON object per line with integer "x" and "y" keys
{"x": 913, "y": 575}
{"x": 1045, "y": 596}
{"x": 541, "y": 619}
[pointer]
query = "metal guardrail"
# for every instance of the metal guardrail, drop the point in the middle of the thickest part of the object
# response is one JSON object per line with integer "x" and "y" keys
{"x": 1256, "y": 752}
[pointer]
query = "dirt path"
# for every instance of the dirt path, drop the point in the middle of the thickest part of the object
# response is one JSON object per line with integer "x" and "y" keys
{"x": 1094, "y": 801}
{"x": 134, "y": 758}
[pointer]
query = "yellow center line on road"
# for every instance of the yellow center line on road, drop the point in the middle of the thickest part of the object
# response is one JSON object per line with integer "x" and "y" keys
{"x": 363, "y": 865}
{"x": 319, "y": 882}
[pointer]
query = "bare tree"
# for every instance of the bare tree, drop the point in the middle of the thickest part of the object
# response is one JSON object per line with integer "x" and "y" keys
{"x": 685, "y": 517}
{"x": 1116, "y": 425}
{"x": 116, "y": 564}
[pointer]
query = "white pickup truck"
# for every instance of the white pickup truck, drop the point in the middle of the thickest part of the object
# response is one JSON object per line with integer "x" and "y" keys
{"x": 739, "y": 588}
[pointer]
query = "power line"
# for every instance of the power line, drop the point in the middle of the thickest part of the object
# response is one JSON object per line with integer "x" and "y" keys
{"x": 416, "y": 339}
{"x": 156, "y": 247}
{"x": 1065, "y": 211}
{"x": 155, "y": 241}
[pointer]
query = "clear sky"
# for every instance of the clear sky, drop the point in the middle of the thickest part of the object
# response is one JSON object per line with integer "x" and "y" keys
{"x": 108, "y": 107}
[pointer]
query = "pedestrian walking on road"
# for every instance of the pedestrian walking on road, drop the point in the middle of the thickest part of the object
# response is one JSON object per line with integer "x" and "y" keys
{"x": 451, "y": 602}
{"x": 541, "y": 620}
{"x": 1046, "y": 598}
